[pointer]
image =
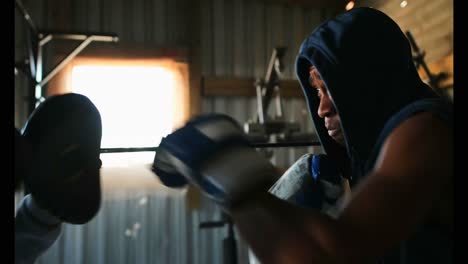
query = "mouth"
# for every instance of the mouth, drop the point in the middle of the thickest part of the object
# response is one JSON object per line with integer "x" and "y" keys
{"x": 334, "y": 132}
{"x": 337, "y": 135}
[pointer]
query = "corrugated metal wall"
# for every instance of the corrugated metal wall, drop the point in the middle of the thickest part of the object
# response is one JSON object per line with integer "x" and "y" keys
{"x": 157, "y": 22}
{"x": 237, "y": 39}
{"x": 143, "y": 226}
{"x": 129, "y": 231}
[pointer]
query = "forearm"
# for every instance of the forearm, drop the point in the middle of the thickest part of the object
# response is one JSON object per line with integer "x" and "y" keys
{"x": 35, "y": 231}
{"x": 278, "y": 232}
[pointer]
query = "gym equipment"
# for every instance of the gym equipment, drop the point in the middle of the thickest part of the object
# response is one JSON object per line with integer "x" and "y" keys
{"x": 37, "y": 39}
{"x": 273, "y": 130}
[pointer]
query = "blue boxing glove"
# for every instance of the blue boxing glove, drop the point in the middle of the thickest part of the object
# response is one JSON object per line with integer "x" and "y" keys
{"x": 212, "y": 152}
{"x": 167, "y": 174}
{"x": 313, "y": 181}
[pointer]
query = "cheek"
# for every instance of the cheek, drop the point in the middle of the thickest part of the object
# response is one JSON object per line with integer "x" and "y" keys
{"x": 336, "y": 120}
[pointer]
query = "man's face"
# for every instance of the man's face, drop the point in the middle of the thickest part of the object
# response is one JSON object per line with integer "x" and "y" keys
{"x": 326, "y": 107}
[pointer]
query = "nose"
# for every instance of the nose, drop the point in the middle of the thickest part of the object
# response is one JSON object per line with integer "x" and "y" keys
{"x": 326, "y": 108}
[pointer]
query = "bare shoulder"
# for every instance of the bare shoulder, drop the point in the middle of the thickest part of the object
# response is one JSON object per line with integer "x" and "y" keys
{"x": 404, "y": 189}
{"x": 421, "y": 145}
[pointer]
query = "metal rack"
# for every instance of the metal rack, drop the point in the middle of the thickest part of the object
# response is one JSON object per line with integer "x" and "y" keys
{"x": 37, "y": 39}
{"x": 274, "y": 131}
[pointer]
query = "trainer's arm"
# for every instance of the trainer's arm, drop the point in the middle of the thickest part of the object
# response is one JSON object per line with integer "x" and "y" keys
{"x": 412, "y": 173}
{"x": 36, "y": 231}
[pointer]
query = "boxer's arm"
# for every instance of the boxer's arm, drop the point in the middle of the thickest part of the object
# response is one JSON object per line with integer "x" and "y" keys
{"x": 411, "y": 174}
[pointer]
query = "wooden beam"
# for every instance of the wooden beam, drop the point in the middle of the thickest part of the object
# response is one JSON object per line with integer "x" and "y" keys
{"x": 122, "y": 50}
{"x": 215, "y": 86}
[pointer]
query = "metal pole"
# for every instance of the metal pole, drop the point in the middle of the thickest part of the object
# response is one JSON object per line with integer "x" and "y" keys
{"x": 87, "y": 40}
{"x": 230, "y": 246}
{"x": 254, "y": 145}
{"x": 43, "y": 40}
{"x": 121, "y": 150}
{"x": 101, "y": 38}
{"x": 66, "y": 60}
{"x": 261, "y": 114}
{"x": 38, "y": 77}
{"x": 26, "y": 16}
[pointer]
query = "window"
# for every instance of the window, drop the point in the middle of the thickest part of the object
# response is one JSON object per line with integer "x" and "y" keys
{"x": 137, "y": 102}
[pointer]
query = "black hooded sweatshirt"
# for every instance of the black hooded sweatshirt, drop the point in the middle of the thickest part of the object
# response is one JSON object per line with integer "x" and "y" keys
{"x": 366, "y": 63}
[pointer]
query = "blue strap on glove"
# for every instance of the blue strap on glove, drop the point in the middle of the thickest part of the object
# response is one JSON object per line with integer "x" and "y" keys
{"x": 311, "y": 193}
{"x": 323, "y": 168}
{"x": 326, "y": 188}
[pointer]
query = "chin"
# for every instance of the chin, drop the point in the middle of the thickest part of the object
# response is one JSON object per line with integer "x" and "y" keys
{"x": 339, "y": 140}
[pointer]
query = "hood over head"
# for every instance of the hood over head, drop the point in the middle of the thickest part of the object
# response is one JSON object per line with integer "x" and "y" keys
{"x": 365, "y": 61}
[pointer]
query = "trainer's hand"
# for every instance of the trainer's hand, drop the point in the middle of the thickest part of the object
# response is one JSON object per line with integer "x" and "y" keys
{"x": 65, "y": 136}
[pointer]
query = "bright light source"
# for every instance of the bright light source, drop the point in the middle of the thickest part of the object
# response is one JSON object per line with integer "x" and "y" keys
{"x": 350, "y": 5}
{"x": 136, "y": 106}
{"x": 403, "y": 4}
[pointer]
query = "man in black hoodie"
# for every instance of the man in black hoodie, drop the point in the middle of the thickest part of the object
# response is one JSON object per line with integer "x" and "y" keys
{"x": 386, "y": 131}
{"x": 389, "y": 134}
